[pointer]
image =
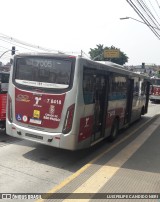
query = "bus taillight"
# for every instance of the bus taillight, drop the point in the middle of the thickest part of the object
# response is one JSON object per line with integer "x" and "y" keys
{"x": 68, "y": 119}
{"x": 10, "y": 115}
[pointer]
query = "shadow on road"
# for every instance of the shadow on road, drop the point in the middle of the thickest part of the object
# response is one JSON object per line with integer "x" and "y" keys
{"x": 73, "y": 160}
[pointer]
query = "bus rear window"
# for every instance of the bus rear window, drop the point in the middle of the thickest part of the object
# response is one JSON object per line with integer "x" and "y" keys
{"x": 4, "y": 80}
{"x": 43, "y": 72}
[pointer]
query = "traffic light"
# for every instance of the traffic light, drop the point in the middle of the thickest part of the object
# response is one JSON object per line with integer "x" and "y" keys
{"x": 143, "y": 65}
{"x": 13, "y": 50}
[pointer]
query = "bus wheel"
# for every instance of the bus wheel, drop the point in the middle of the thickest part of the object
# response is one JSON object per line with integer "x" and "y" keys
{"x": 142, "y": 111}
{"x": 114, "y": 130}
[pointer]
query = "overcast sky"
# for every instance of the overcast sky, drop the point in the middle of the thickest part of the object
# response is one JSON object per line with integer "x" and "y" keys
{"x": 75, "y": 25}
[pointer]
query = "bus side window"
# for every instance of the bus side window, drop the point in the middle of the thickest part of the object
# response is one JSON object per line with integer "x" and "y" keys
{"x": 88, "y": 88}
{"x": 143, "y": 88}
{"x": 118, "y": 88}
{"x": 136, "y": 88}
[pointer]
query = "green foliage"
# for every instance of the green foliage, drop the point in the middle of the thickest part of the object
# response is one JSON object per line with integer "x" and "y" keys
{"x": 158, "y": 74}
{"x": 97, "y": 54}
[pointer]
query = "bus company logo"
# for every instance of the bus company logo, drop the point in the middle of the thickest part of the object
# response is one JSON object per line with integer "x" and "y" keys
{"x": 37, "y": 100}
{"x": 23, "y": 98}
{"x": 51, "y": 109}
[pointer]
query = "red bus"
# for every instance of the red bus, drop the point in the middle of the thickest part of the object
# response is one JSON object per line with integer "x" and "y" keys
{"x": 4, "y": 80}
{"x": 155, "y": 90}
{"x": 71, "y": 102}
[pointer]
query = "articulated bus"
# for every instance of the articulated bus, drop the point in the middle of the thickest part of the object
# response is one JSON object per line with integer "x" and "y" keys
{"x": 71, "y": 102}
{"x": 155, "y": 89}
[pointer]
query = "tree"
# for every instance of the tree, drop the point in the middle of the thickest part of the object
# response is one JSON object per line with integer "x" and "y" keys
{"x": 97, "y": 54}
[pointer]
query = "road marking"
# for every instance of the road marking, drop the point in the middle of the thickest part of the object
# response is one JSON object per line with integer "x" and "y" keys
{"x": 111, "y": 167}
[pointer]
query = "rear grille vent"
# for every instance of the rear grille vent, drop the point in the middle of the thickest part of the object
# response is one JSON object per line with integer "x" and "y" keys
{"x": 34, "y": 136}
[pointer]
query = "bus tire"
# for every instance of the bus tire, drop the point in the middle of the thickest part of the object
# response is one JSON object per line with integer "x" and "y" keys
{"x": 142, "y": 111}
{"x": 140, "y": 114}
{"x": 114, "y": 130}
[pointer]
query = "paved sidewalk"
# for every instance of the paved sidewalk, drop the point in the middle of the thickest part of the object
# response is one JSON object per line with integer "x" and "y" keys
{"x": 132, "y": 165}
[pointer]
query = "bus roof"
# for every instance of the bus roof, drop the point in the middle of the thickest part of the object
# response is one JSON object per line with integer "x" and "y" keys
{"x": 44, "y": 54}
{"x": 113, "y": 67}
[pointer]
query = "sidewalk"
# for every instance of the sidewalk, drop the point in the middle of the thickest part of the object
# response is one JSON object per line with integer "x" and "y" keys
{"x": 132, "y": 165}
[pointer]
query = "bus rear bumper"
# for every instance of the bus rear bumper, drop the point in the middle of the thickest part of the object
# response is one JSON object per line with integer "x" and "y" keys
{"x": 154, "y": 97}
{"x": 58, "y": 140}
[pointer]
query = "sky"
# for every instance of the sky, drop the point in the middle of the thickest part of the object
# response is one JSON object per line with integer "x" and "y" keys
{"x": 75, "y": 25}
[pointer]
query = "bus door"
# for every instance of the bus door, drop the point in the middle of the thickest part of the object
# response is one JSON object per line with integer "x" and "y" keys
{"x": 147, "y": 96}
{"x": 128, "y": 112}
{"x": 100, "y": 99}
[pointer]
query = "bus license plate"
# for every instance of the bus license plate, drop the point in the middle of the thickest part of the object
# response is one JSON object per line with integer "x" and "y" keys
{"x": 36, "y": 121}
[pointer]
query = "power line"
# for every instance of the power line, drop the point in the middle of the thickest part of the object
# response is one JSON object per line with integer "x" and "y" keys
{"x": 8, "y": 38}
{"x": 86, "y": 55}
{"x": 15, "y": 43}
{"x": 154, "y": 9}
{"x": 142, "y": 16}
{"x": 148, "y": 12}
{"x": 3, "y": 47}
{"x": 157, "y": 3}
{"x": 25, "y": 43}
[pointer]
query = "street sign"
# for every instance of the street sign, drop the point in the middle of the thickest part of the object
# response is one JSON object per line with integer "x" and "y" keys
{"x": 114, "y": 53}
